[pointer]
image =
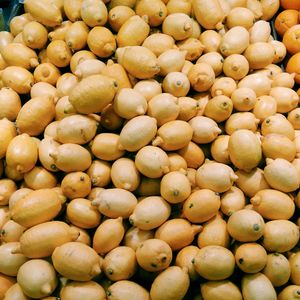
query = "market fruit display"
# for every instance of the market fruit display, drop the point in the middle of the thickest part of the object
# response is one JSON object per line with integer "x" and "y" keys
{"x": 287, "y": 26}
{"x": 150, "y": 150}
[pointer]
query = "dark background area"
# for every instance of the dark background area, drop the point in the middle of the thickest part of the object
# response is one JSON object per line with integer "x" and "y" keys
{"x": 9, "y": 9}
